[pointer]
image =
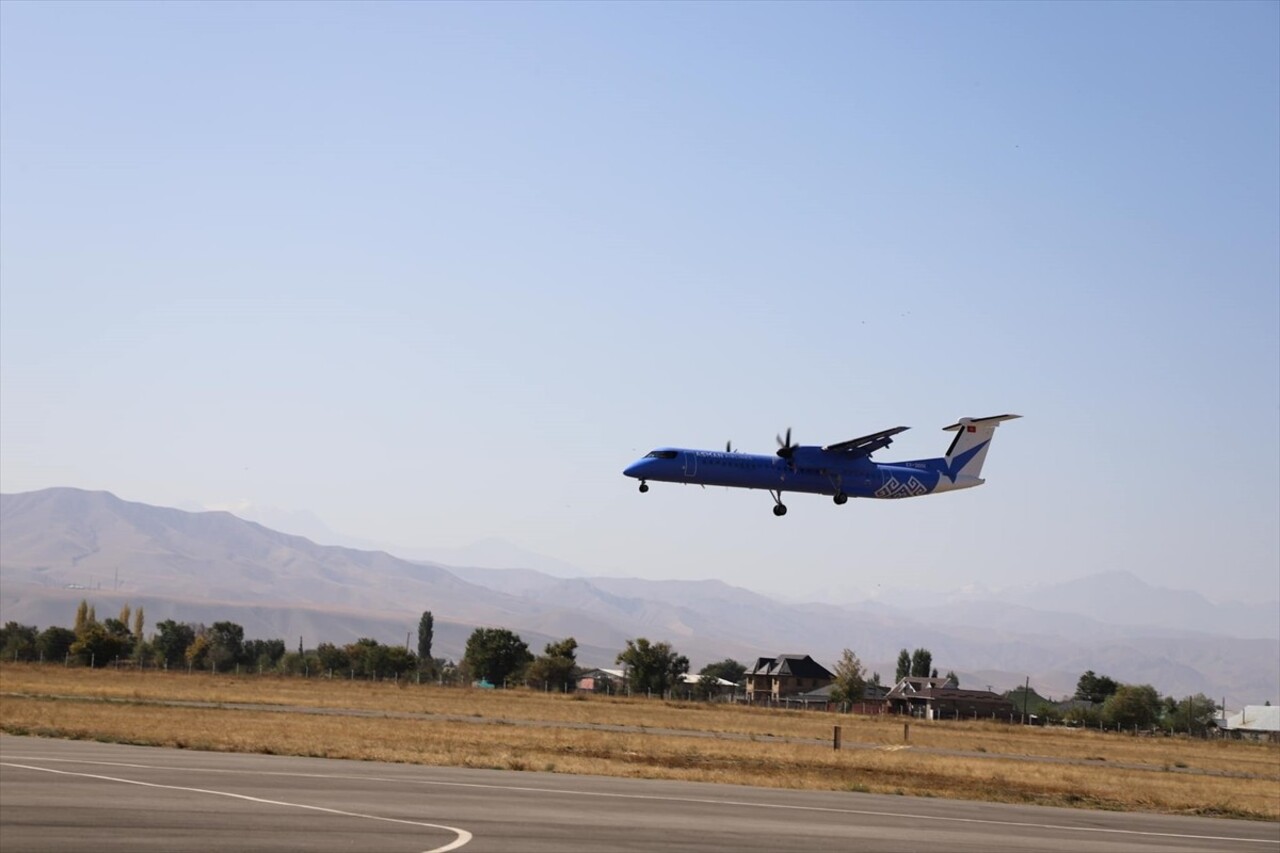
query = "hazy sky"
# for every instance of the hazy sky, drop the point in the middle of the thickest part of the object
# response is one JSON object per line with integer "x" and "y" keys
{"x": 437, "y": 272}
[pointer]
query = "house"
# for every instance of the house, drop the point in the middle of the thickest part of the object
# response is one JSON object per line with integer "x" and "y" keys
{"x": 602, "y": 680}
{"x": 941, "y": 699}
{"x": 820, "y": 699}
{"x": 772, "y": 679}
{"x": 1255, "y": 721}
{"x": 690, "y": 687}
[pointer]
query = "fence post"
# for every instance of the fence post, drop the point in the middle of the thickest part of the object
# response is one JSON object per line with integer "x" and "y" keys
{"x": 906, "y": 732}
{"x": 835, "y": 738}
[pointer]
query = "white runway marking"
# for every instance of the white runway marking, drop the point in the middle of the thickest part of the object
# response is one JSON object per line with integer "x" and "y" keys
{"x": 463, "y": 836}
{"x": 659, "y": 798}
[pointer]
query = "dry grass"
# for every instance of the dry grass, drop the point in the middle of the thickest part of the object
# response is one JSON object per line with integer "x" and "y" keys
{"x": 993, "y": 775}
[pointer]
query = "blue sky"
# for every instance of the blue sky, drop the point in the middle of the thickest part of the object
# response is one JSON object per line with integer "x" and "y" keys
{"x": 438, "y": 272}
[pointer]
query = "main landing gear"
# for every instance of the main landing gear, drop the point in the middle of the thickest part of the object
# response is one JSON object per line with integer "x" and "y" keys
{"x": 644, "y": 487}
{"x": 779, "y": 508}
{"x": 841, "y": 498}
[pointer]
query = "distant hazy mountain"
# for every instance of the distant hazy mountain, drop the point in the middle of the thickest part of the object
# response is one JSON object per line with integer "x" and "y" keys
{"x": 495, "y": 553}
{"x": 60, "y": 545}
{"x": 489, "y": 553}
{"x": 1122, "y": 598}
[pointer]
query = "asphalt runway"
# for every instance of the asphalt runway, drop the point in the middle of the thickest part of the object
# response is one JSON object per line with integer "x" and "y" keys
{"x": 73, "y": 796}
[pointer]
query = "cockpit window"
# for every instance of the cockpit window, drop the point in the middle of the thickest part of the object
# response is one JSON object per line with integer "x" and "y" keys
{"x": 661, "y": 454}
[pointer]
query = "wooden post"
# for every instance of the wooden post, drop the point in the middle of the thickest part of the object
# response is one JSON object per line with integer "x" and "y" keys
{"x": 835, "y": 738}
{"x": 906, "y": 732}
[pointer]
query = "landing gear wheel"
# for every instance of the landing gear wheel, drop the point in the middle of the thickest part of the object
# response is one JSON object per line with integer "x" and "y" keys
{"x": 841, "y": 499}
{"x": 644, "y": 487}
{"x": 780, "y": 510}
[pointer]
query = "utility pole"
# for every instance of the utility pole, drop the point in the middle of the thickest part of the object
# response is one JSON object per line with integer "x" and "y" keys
{"x": 1026, "y": 691}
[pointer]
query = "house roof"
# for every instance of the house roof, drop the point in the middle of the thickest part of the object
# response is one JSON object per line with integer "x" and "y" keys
{"x": 797, "y": 666}
{"x": 951, "y": 694}
{"x": 693, "y": 678}
{"x": 912, "y": 685}
{"x": 872, "y": 692}
{"x": 1256, "y": 718}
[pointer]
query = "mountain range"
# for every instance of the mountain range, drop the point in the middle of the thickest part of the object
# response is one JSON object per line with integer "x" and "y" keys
{"x": 60, "y": 545}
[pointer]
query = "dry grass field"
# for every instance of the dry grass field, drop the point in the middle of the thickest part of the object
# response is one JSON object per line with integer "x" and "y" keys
{"x": 619, "y": 736}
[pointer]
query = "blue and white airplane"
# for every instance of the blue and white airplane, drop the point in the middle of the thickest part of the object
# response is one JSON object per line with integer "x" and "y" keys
{"x": 841, "y": 470}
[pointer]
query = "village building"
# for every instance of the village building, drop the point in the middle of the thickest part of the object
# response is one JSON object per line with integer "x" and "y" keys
{"x": 773, "y": 679}
{"x": 602, "y": 680}
{"x": 1259, "y": 722}
{"x": 941, "y": 699}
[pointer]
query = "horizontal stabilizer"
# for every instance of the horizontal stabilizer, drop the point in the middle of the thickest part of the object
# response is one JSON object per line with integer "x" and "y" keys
{"x": 867, "y": 444}
{"x": 975, "y": 422}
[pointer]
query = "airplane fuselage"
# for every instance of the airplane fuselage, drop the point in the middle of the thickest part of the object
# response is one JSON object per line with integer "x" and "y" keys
{"x": 843, "y": 470}
{"x": 805, "y": 472}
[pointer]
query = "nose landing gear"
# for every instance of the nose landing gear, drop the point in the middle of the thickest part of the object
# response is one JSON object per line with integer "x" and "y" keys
{"x": 841, "y": 498}
{"x": 644, "y": 487}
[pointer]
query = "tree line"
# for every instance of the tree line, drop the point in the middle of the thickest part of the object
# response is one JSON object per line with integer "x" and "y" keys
{"x": 493, "y": 656}
{"x": 498, "y": 657}
{"x": 1103, "y": 701}
{"x": 220, "y": 647}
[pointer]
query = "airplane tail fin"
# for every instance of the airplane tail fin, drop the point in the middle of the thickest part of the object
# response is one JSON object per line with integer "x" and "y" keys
{"x": 969, "y": 448}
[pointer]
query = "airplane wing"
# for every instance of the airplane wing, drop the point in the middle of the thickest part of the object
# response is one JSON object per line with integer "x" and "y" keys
{"x": 866, "y": 445}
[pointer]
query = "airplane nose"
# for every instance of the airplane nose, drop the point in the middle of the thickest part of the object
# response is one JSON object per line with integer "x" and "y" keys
{"x": 633, "y": 470}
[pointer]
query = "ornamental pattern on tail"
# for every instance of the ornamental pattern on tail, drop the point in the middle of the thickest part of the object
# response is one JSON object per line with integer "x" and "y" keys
{"x": 895, "y": 488}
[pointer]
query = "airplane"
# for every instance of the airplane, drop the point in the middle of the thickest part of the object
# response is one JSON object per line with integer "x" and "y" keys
{"x": 842, "y": 470}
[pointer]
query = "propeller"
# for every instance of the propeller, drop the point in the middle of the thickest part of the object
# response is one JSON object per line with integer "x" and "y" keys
{"x": 785, "y": 448}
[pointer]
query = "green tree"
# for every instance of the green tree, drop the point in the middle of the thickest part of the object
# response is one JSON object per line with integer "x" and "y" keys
{"x": 139, "y": 621}
{"x": 125, "y": 613}
{"x": 1047, "y": 712}
{"x": 652, "y": 667}
{"x": 556, "y": 668}
{"x": 265, "y": 654}
{"x": 953, "y": 678}
{"x": 197, "y": 654}
{"x": 1081, "y": 715}
{"x": 300, "y": 663}
{"x": 1132, "y": 705}
{"x": 851, "y": 679}
{"x": 124, "y": 642}
{"x": 54, "y": 643}
{"x": 921, "y": 660}
{"x": 141, "y": 648}
{"x": 1194, "y": 714}
{"x": 1095, "y": 688}
{"x": 426, "y": 632}
{"x": 171, "y": 641}
{"x": 226, "y": 645}
{"x": 395, "y": 661}
{"x": 119, "y": 630}
{"x": 98, "y": 646}
{"x": 82, "y": 616}
{"x": 496, "y": 655}
{"x": 333, "y": 659}
{"x": 18, "y": 642}
{"x": 904, "y": 666}
{"x": 728, "y": 669}
{"x": 364, "y": 656}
